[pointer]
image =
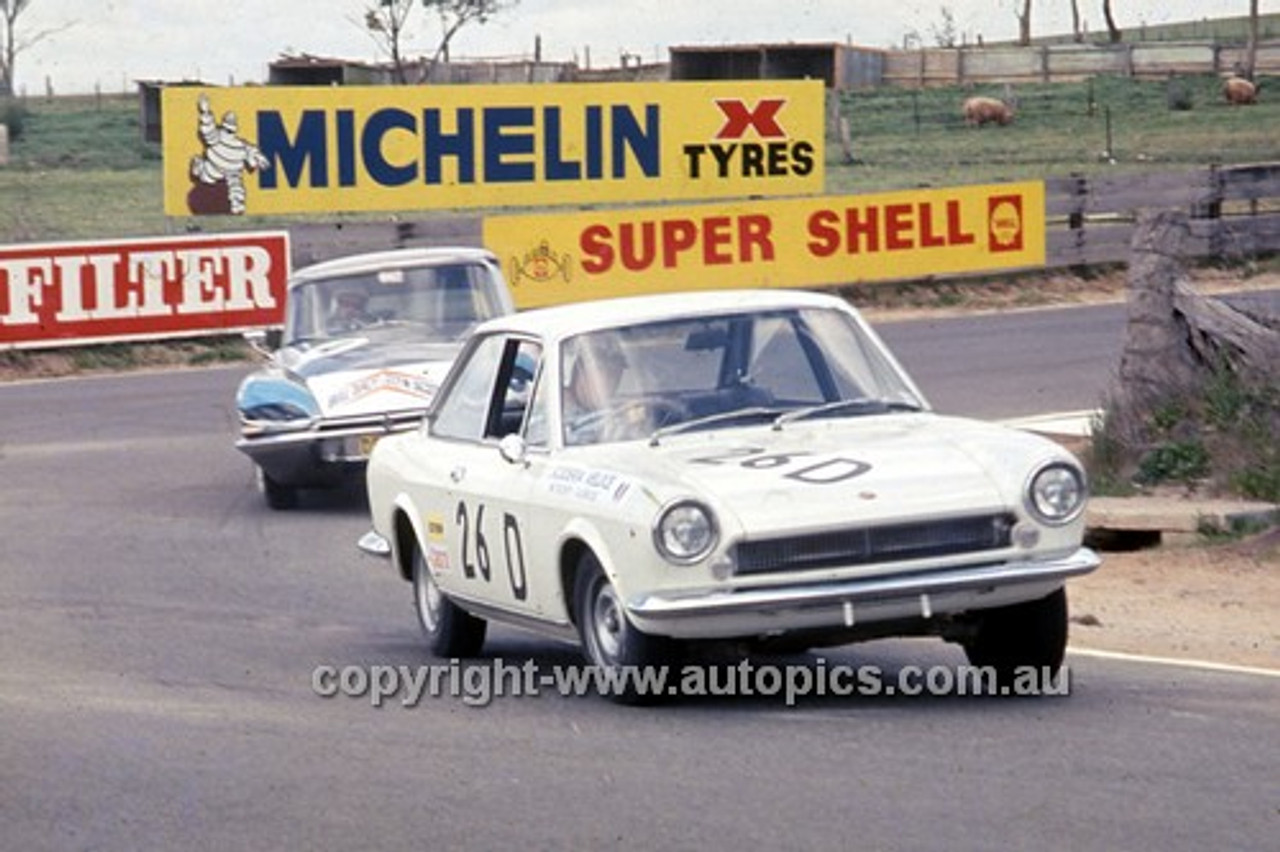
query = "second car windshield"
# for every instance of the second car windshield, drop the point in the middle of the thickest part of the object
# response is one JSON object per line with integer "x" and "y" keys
{"x": 429, "y": 303}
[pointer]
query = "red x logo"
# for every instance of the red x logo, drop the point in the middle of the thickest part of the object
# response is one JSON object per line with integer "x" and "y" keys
{"x": 738, "y": 118}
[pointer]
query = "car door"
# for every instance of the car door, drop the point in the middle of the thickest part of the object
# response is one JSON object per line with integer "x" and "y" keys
{"x": 481, "y": 523}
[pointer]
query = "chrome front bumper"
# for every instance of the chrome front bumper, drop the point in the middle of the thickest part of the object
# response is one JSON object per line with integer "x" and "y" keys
{"x": 753, "y": 611}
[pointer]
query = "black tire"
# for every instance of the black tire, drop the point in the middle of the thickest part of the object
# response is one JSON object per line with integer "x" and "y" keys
{"x": 279, "y": 496}
{"x": 450, "y": 630}
{"x": 1024, "y": 643}
{"x": 609, "y": 639}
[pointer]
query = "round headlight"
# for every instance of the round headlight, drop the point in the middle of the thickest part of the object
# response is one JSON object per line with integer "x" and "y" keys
{"x": 685, "y": 532}
{"x": 1057, "y": 493}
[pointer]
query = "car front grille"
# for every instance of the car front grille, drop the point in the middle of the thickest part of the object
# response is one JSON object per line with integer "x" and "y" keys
{"x": 875, "y": 544}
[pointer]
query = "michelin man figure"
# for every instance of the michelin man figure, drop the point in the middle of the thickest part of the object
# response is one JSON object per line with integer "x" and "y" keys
{"x": 226, "y": 155}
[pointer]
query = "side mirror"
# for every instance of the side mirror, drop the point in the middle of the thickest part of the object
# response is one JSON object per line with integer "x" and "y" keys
{"x": 264, "y": 341}
{"x": 512, "y": 448}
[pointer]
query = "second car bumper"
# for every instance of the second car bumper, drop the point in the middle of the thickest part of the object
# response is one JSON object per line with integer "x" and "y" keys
{"x": 852, "y": 603}
{"x": 324, "y": 451}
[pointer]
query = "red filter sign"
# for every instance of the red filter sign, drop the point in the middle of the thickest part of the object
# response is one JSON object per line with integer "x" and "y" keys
{"x": 60, "y": 294}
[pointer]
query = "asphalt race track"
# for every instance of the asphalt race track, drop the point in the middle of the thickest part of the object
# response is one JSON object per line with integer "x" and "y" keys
{"x": 163, "y": 637}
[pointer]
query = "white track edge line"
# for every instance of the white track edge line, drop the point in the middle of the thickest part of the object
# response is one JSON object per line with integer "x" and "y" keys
{"x": 1173, "y": 661}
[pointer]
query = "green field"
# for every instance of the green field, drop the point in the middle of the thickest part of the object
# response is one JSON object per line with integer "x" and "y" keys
{"x": 79, "y": 168}
{"x": 905, "y": 138}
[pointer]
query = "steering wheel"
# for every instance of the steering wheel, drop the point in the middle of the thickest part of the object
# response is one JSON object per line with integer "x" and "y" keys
{"x": 631, "y": 418}
{"x": 662, "y": 412}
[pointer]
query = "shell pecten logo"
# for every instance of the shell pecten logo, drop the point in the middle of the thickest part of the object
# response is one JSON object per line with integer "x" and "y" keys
{"x": 540, "y": 265}
{"x": 1004, "y": 223}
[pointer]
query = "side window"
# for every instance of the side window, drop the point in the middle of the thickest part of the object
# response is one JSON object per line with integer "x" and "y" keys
{"x": 463, "y": 410}
{"x": 306, "y": 316}
{"x": 516, "y": 376}
{"x": 537, "y": 430}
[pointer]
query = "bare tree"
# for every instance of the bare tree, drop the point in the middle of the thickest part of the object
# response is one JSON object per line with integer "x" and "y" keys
{"x": 1251, "y": 53}
{"x": 1113, "y": 32}
{"x": 12, "y": 44}
{"x": 944, "y": 34}
{"x": 1024, "y": 24}
{"x": 456, "y": 14}
{"x": 1077, "y": 32}
{"x": 385, "y": 23}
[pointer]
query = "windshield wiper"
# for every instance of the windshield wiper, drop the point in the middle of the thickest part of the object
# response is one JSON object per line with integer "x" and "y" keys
{"x": 755, "y": 412}
{"x": 861, "y": 405}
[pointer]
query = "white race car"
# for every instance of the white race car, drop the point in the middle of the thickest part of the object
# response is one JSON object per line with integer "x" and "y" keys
{"x": 640, "y": 473}
{"x": 367, "y": 340}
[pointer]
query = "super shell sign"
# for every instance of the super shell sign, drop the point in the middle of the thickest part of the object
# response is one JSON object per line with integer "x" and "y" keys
{"x": 790, "y": 242}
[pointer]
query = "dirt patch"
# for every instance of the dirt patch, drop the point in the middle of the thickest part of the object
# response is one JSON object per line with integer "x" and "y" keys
{"x": 1203, "y": 601}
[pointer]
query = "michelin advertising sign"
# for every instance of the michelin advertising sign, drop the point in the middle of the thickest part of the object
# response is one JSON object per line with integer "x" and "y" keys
{"x": 275, "y": 149}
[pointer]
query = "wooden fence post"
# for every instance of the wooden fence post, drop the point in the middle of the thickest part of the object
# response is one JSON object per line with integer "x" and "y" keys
{"x": 1211, "y": 209}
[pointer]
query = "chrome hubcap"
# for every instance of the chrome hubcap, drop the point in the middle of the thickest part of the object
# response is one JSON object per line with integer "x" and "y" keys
{"x": 609, "y": 624}
{"x": 428, "y": 595}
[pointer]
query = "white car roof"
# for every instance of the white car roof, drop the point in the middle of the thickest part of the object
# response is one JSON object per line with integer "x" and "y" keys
{"x": 371, "y": 261}
{"x": 569, "y": 319}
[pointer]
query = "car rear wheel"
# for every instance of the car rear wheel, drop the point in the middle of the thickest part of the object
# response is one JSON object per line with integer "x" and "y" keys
{"x": 609, "y": 639}
{"x": 277, "y": 495}
{"x": 450, "y": 630}
{"x": 1024, "y": 643}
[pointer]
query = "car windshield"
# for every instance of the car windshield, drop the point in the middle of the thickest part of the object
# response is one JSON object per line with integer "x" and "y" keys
{"x": 656, "y": 379}
{"x": 430, "y": 304}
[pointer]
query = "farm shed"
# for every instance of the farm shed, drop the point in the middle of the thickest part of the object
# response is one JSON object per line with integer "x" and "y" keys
{"x": 149, "y": 105}
{"x": 307, "y": 70}
{"x": 840, "y": 66}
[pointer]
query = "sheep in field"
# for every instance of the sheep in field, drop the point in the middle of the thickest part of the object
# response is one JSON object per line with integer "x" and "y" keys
{"x": 1238, "y": 90}
{"x": 979, "y": 111}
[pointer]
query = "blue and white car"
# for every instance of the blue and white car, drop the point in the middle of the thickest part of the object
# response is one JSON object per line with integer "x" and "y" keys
{"x": 758, "y": 468}
{"x": 367, "y": 341}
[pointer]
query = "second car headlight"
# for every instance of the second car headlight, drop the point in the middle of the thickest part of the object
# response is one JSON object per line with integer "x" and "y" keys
{"x": 1056, "y": 493}
{"x": 685, "y": 532}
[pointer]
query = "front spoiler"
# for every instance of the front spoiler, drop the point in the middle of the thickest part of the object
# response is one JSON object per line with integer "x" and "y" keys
{"x": 860, "y": 601}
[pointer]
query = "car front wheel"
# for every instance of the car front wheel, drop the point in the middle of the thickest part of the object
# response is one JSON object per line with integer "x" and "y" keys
{"x": 450, "y": 630}
{"x": 611, "y": 642}
{"x": 1024, "y": 643}
{"x": 277, "y": 495}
